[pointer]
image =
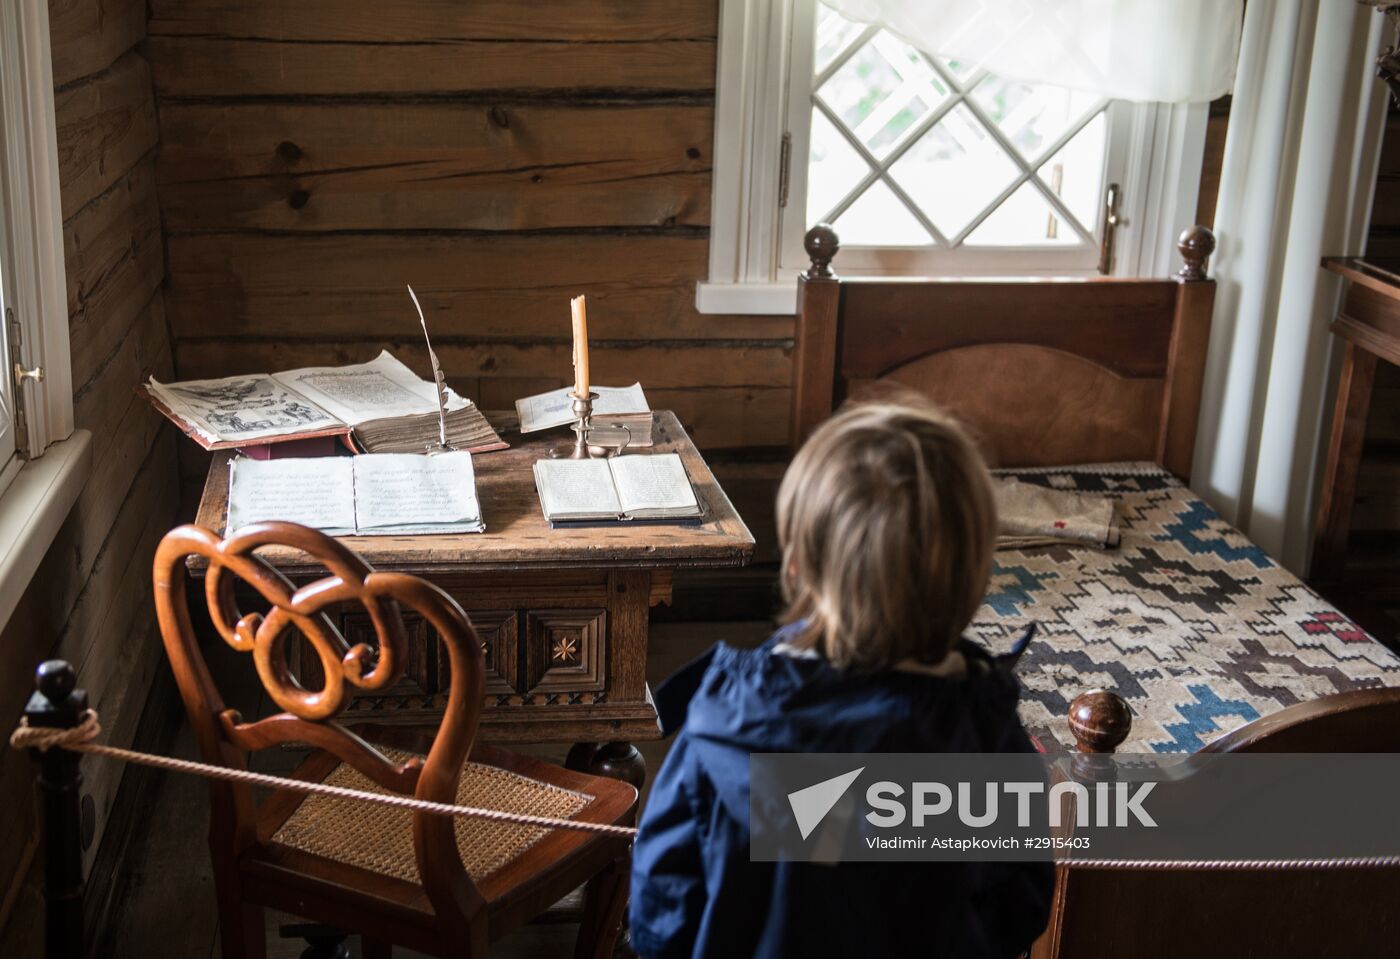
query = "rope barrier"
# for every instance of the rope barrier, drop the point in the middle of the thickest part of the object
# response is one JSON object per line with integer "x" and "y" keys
{"x": 80, "y": 738}
{"x": 1235, "y": 865}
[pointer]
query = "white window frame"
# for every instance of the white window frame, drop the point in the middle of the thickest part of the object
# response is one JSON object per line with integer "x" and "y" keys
{"x": 44, "y": 480}
{"x": 753, "y": 260}
{"x": 34, "y": 220}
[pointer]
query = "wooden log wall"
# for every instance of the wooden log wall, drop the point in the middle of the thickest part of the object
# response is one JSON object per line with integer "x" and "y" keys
{"x": 90, "y": 600}
{"x": 500, "y": 156}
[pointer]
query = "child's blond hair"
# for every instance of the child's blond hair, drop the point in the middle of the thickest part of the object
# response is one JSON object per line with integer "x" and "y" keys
{"x": 887, "y": 525}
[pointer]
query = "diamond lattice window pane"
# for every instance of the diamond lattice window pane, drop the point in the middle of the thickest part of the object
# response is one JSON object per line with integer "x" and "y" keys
{"x": 833, "y": 171}
{"x": 961, "y": 70}
{"x": 1025, "y": 218}
{"x": 954, "y": 170}
{"x": 879, "y": 218}
{"x": 1075, "y": 172}
{"x": 834, "y": 34}
{"x": 1031, "y": 116}
{"x": 882, "y": 91}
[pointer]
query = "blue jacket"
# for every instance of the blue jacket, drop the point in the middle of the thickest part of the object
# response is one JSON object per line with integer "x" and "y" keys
{"x": 694, "y": 890}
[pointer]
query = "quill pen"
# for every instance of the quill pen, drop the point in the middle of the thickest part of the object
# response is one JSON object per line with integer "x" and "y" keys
{"x": 438, "y": 379}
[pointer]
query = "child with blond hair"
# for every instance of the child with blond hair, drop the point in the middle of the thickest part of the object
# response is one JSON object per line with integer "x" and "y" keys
{"x": 887, "y": 525}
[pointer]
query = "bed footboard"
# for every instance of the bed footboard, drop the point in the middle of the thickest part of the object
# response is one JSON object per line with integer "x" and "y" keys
{"x": 1210, "y": 910}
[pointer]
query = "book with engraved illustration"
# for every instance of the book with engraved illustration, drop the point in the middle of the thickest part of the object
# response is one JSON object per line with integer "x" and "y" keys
{"x": 377, "y": 407}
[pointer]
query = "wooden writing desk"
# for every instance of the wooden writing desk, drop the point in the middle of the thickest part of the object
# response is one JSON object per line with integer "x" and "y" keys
{"x": 562, "y": 614}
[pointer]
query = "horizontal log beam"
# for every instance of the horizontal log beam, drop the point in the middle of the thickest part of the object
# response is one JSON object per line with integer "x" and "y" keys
{"x": 484, "y": 287}
{"x": 87, "y": 36}
{"x": 655, "y": 365}
{"x": 217, "y": 67}
{"x": 418, "y": 21}
{"x": 433, "y": 166}
{"x": 105, "y": 125}
{"x": 114, "y": 261}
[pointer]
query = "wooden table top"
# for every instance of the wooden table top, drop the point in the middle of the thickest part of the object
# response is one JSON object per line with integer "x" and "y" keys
{"x": 517, "y": 535}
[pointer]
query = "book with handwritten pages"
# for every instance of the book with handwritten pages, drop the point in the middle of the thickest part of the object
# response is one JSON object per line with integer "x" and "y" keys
{"x": 640, "y": 488}
{"x": 383, "y": 495}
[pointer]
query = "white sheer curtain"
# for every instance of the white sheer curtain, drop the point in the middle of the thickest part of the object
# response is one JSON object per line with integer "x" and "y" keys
{"x": 1171, "y": 51}
{"x": 1296, "y": 185}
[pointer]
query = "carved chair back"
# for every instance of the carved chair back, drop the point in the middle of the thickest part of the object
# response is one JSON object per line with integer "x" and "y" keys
{"x": 309, "y": 715}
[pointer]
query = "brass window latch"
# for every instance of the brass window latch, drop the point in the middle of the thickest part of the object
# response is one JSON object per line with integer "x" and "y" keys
{"x": 20, "y": 374}
{"x": 1111, "y": 221}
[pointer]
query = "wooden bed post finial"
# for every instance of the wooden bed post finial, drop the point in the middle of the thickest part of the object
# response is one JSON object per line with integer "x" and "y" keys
{"x": 821, "y": 243}
{"x": 1100, "y": 720}
{"x": 1196, "y": 245}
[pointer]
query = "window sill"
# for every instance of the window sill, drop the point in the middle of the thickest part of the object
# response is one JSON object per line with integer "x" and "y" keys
{"x": 33, "y": 509}
{"x": 752, "y": 299}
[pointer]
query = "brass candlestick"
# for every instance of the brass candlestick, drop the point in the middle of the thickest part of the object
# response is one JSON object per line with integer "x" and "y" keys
{"x": 581, "y": 449}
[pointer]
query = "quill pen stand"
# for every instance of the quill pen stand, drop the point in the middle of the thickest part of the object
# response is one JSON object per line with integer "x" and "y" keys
{"x": 581, "y": 449}
{"x": 441, "y": 446}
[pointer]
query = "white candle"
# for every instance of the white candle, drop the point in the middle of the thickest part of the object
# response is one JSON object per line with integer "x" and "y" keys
{"x": 580, "y": 313}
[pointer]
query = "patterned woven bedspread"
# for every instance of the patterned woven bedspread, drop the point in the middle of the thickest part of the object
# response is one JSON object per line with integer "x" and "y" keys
{"x": 1195, "y": 626}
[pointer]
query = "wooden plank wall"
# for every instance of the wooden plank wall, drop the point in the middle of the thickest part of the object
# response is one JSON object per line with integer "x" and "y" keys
{"x": 90, "y": 600}
{"x": 499, "y": 156}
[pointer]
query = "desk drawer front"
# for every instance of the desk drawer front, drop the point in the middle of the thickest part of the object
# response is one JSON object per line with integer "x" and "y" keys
{"x": 426, "y": 668}
{"x": 564, "y": 657}
{"x": 565, "y": 651}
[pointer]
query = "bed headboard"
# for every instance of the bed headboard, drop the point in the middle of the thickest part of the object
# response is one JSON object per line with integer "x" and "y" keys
{"x": 1046, "y": 371}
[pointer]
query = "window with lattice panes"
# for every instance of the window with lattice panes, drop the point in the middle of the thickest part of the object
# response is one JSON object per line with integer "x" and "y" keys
{"x": 927, "y": 163}
{"x": 926, "y": 166}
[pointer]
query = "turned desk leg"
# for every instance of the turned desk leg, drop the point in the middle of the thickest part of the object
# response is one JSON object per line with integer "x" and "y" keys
{"x": 618, "y": 760}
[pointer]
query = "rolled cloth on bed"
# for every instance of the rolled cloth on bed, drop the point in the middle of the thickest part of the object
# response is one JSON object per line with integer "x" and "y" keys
{"x": 1029, "y": 515}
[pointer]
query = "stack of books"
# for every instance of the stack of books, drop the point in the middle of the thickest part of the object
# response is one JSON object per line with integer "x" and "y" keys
{"x": 621, "y": 416}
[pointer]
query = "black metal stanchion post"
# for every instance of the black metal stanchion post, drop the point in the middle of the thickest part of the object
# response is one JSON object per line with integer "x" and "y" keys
{"x": 58, "y": 703}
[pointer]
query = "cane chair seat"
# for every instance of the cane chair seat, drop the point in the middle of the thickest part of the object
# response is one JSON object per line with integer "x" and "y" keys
{"x": 379, "y": 838}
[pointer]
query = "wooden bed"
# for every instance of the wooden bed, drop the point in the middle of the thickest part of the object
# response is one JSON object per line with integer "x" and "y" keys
{"x": 1053, "y": 373}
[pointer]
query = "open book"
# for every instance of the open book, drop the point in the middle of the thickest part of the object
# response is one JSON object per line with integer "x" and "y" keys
{"x": 382, "y": 404}
{"x": 652, "y": 488}
{"x": 621, "y": 416}
{"x": 384, "y": 494}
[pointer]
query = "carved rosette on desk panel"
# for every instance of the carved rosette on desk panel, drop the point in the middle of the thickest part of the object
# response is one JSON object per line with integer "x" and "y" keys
{"x": 565, "y": 653}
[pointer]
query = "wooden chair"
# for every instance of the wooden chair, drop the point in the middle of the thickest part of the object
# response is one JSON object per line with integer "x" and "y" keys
{"x": 1046, "y": 371}
{"x": 433, "y": 883}
{"x": 1340, "y": 911}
